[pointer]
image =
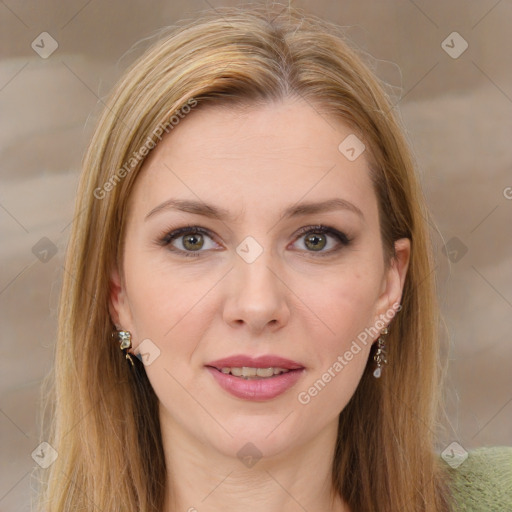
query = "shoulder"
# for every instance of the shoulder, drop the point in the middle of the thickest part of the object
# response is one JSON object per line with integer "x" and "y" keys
{"x": 483, "y": 482}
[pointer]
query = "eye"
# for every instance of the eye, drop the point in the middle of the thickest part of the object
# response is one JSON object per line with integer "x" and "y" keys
{"x": 317, "y": 238}
{"x": 191, "y": 241}
{"x": 188, "y": 240}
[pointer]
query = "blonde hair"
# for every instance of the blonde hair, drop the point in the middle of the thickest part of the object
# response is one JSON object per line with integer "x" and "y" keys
{"x": 106, "y": 428}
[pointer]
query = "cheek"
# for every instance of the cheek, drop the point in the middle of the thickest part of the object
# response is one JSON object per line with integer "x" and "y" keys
{"x": 162, "y": 298}
{"x": 346, "y": 301}
{"x": 327, "y": 392}
{"x": 346, "y": 306}
{"x": 172, "y": 309}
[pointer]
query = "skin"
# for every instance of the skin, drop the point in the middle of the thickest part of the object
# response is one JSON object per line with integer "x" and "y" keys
{"x": 290, "y": 301}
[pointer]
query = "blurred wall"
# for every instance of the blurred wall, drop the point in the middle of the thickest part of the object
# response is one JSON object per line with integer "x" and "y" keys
{"x": 456, "y": 103}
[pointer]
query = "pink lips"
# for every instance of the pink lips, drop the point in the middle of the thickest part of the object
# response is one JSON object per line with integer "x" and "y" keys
{"x": 256, "y": 389}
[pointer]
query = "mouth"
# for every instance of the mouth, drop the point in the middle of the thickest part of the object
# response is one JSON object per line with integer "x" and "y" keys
{"x": 255, "y": 379}
{"x": 252, "y": 373}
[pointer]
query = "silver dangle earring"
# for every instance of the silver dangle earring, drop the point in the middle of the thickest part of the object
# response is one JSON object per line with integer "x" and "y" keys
{"x": 125, "y": 342}
{"x": 380, "y": 354}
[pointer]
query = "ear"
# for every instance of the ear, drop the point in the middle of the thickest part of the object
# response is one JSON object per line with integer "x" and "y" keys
{"x": 394, "y": 278}
{"x": 119, "y": 306}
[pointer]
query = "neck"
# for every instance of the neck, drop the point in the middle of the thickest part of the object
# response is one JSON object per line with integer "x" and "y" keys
{"x": 204, "y": 479}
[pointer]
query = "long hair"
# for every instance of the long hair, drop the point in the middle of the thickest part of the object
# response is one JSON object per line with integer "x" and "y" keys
{"x": 105, "y": 426}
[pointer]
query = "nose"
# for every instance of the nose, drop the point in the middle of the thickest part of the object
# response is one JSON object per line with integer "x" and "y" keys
{"x": 256, "y": 296}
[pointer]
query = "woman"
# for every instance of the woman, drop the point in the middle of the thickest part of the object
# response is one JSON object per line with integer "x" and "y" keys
{"x": 250, "y": 230}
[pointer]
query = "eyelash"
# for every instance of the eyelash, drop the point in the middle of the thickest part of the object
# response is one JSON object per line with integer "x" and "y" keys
{"x": 166, "y": 239}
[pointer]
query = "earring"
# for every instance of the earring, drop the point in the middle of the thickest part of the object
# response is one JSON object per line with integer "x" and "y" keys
{"x": 380, "y": 354}
{"x": 125, "y": 342}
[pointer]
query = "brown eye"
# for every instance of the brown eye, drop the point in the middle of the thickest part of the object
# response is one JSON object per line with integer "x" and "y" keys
{"x": 193, "y": 241}
{"x": 321, "y": 240}
{"x": 189, "y": 241}
{"x": 315, "y": 242}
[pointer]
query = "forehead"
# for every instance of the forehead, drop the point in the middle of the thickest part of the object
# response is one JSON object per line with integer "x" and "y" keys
{"x": 262, "y": 156}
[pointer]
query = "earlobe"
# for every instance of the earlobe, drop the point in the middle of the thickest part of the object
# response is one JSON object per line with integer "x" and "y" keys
{"x": 120, "y": 313}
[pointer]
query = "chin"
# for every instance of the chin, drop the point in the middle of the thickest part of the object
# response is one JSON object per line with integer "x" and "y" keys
{"x": 251, "y": 445}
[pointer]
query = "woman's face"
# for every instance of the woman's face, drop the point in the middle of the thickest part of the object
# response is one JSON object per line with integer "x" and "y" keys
{"x": 253, "y": 239}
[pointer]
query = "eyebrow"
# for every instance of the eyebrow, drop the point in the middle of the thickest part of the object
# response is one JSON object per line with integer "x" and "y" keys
{"x": 216, "y": 212}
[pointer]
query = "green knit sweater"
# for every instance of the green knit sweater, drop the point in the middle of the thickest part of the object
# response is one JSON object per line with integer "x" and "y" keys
{"x": 483, "y": 482}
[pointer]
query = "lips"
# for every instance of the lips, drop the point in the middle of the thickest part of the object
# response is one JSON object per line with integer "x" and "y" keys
{"x": 268, "y": 361}
{"x": 255, "y": 388}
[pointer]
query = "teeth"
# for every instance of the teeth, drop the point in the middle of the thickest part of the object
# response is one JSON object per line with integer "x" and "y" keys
{"x": 265, "y": 372}
{"x": 247, "y": 372}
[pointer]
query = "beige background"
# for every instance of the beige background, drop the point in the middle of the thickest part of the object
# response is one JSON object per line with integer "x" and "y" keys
{"x": 458, "y": 114}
